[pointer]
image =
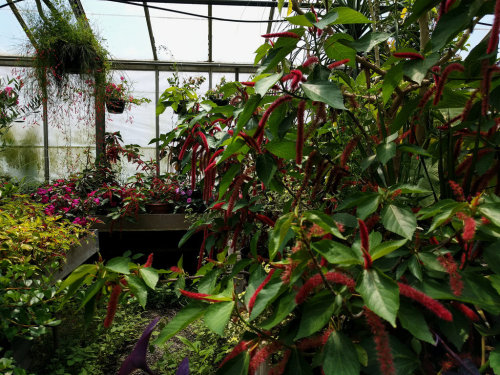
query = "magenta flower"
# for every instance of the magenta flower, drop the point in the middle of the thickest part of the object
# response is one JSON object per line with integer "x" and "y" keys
{"x": 188, "y": 200}
{"x": 45, "y": 199}
{"x": 8, "y": 90}
{"x": 96, "y": 200}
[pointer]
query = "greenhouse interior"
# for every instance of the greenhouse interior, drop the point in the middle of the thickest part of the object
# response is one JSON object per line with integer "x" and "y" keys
{"x": 261, "y": 187}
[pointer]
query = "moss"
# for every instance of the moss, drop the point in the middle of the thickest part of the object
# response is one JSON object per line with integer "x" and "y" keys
{"x": 22, "y": 153}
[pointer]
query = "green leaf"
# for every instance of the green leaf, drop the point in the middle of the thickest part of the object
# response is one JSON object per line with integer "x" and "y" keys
{"x": 391, "y": 81}
{"x": 286, "y": 305}
{"x": 208, "y": 283}
{"x": 138, "y": 288}
{"x": 340, "y": 356}
{"x": 282, "y": 148}
{"x": 187, "y": 315}
{"x": 336, "y": 253}
{"x": 419, "y": 7}
{"x": 409, "y": 189}
{"x": 250, "y": 106}
{"x": 413, "y": 321}
{"x": 380, "y": 294}
{"x": 417, "y": 69}
{"x": 492, "y": 212}
{"x": 367, "y": 207}
{"x": 349, "y": 16}
{"x": 495, "y": 360}
{"x": 119, "y": 265}
{"x": 326, "y": 92}
{"x": 217, "y": 316}
{"x": 92, "y": 291}
{"x": 227, "y": 178}
{"x": 414, "y": 149}
{"x": 315, "y": 314}
{"x": 264, "y": 84}
{"x": 297, "y": 365}
{"x": 266, "y": 168}
{"x": 399, "y": 220}
{"x": 368, "y": 41}
{"x": 150, "y": 276}
{"x": 325, "y": 221}
{"x": 278, "y": 234}
{"x": 386, "y": 248}
{"x": 275, "y": 56}
{"x": 236, "y": 366}
{"x": 492, "y": 256}
{"x": 77, "y": 274}
{"x": 257, "y": 275}
{"x": 327, "y": 20}
{"x": 386, "y": 151}
{"x": 300, "y": 20}
{"x": 266, "y": 296}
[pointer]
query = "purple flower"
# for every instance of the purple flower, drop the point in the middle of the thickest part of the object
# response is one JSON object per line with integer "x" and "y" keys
{"x": 41, "y": 191}
{"x": 183, "y": 367}
{"x": 177, "y": 191}
{"x": 188, "y": 200}
{"x": 189, "y": 192}
{"x": 183, "y": 192}
{"x": 137, "y": 358}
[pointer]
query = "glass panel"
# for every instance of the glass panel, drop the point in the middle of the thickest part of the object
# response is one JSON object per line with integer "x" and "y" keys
{"x": 123, "y": 27}
{"x": 180, "y": 37}
{"x": 13, "y": 40}
{"x": 236, "y": 42}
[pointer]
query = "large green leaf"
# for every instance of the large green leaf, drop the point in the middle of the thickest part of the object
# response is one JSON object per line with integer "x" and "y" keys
{"x": 138, "y": 288}
{"x": 337, "y": 253}
{"x": 119, "y": 265}
{"x": 150, "y": 276}
{"x": 297, "y": 365}
{"x": 236, "y": 366}
{"x": 492, "y": 212}
{"x": 414, "y": 149}
{"x": 325, "y": 221}
{"x": 327, "y": 20}
{"x": 326, "y": 92}
{"x": 188, "y": 314}
{"x": 79, "y": 273}
{"x": 413, "y": 321}
{"x": 367, "y": 207}
{"x": 495, "y": 360}
{"x": 264, "y": 84}
{"x": 417, "y": 69}
{"x": 275, "y": 56}
{"x": 301, "y": 20}
{"x": 278, "y": 234}
{"x": 217, "y": 316}
{"x": 92, "y": 291}
{"x": 266, "y": 296}
{"x": 386, "y": 151}
{"x": 266, "y": 168}
{"x": 386, "y": 248}
{"x": 340, "y": 356}
{"x": 285, "y": 306}
{"x": 380, "y": 294}
{"x": 282, "y": 148}
{"x": 349, "y": 16}
{"x": 368, "y": 41}
{"x": 248, "y": 111}
{"x": 316, "y": 312}
{"x": 227, "y": 178}
{"x": 391, "y": 81}
{"x": 399, "y": 220}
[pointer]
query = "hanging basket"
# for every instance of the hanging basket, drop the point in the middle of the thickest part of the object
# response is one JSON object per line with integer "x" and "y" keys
{"x": 115, "y": 105}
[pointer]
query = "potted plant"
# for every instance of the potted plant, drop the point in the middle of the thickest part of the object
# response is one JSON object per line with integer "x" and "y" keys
{"x": 118, "y": 95}
{"x": 179, "y": 96}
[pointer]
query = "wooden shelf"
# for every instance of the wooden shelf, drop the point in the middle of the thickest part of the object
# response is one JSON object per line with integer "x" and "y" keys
{"x": 144, "y": 223}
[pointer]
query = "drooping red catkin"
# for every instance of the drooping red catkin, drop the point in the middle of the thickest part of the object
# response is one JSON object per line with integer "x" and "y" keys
{"x": 316, "y": 280}
{"x": 250, "y": 84}
{"x": 495, "y": 29}
{"x": 338, "y": 63}
{"x": 451, "y": 268}
{"x": 149, "y": 261}
{"x": 458, "y": 192}
{"x": 307, "y": 174}
{"x": 264, "y": 219}
{"x": 251, "y": 303}
{"x": 467, "y": 163}
{"x": 250, "y": 142}
{"x": 408, "y": 55}
{"x": 202, "y": 248}
{"x": 348, "y": 151}
{"x": 300, "y": 132}
{"x": 431, "y": 304}
{"x": 261, "y": 355}
{"x": 469, "y": 229}
{"x": 467, "y": 311}
{"x": 382, "y": 346}
{"x": 199, "y": 296}
{"x": 426, "y": 97}
{"x": 267, "y": 113}
{"x": 193, "y": 166}
{"x": 365, "y": 244}
{"x": 241, "y": 347}
{"x": 185, "y": 146}
{"x": 298, "y": 77}
{"x": 203, "y": 139}
{"x": 285, "y": 34}
{"x": 112, "y": 305}
{"x": 236, "y": 190}
{"x": 485, "y": 86}
{"x": 450, "y": 68}
{"x": 311, "y": 60}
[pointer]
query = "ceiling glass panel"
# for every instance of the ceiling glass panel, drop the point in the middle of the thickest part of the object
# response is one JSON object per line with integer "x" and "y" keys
{"x": 237, "y": 42}
{"x": 13, "y": 40}
{"x": 122, "y": 26}
{"x": 180, "y": 37}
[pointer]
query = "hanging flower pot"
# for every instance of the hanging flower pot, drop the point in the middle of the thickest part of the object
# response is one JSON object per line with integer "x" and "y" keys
{"x": 115, "y": 105}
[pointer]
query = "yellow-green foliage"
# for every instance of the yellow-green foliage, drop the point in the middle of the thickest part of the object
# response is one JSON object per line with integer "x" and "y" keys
{"x": 28, "y": 235}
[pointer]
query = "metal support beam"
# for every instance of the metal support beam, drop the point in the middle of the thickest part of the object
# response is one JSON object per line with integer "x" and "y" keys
{"x": 210, "y": 35}
{"x": 46, "y": 160}
{"x": 78, "y": 10}
{"x": 150, "y": 30}
{"x": 149, "y": 65}
{"x": 244, "y": 3}
{"x": 271, "y": 16}
{"x": 21, "y": 22}
{"x": 157, "y": 120}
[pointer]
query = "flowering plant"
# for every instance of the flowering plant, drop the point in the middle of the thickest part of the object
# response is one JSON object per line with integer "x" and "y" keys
{"x": 121, "y": 91}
